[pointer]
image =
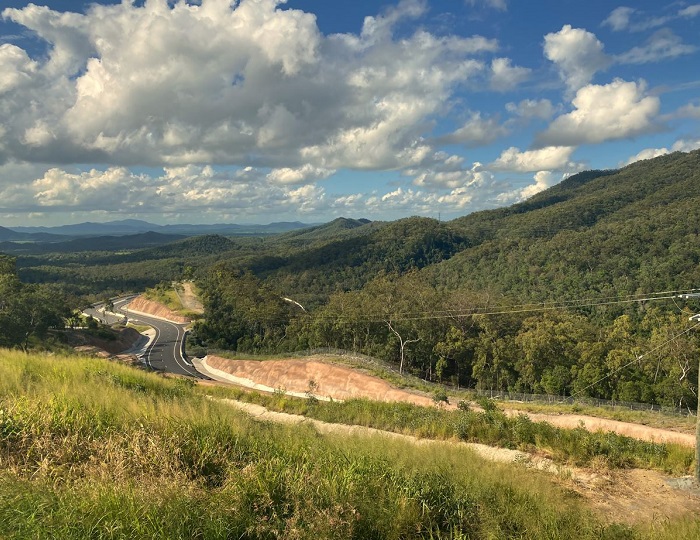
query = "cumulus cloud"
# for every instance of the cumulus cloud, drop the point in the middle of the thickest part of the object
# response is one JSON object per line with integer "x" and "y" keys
{"x": 476, "y": 131}
{"x": 618, "y": 110}
{"x": 542, "y": 180}
{"x": 681, "y": 145}
{"x": 505, "y": 76}
{"x": 688, "y": 111}
{"x": 663, "y": 44}
{"x": 222, "y": 83}
{"x": 548, "y": 158}
{"x": 577, "y": 54}
{"x": 301, "y": 175}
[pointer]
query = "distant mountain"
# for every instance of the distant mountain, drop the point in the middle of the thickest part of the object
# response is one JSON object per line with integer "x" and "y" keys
{"x": 95, "y": 243}
{"x": 8, "y": 235}
{"x": 135, "y": 226}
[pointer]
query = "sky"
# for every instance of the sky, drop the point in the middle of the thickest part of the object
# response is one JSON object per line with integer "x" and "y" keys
{"x": 258, "y": 111}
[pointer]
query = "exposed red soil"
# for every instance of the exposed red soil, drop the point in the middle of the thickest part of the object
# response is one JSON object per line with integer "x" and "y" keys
{"x": 591, "y": 423}
{"x": 334, "y": 381}
{"x": 150, "y": 307}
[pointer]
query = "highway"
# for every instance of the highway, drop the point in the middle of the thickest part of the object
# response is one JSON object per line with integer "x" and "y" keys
{"x": 166, "y": 351}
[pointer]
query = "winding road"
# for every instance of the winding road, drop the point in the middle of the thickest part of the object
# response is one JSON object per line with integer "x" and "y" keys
{"x": 166, "y": 352}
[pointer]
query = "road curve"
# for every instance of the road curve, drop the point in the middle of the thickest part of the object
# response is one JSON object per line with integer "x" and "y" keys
{"x": 166, "y": 351}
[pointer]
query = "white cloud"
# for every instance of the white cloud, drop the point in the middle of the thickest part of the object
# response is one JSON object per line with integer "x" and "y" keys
{"x": 542, "y": 180}
{"x": 663, "y": 44}
{"x": 548, "y": 158}
{"x": 500, "y": 5}
{"x": 688, "y": 111}
{"x": 94, "y": 189}
{"x": 690, "y": 11}
{"x": 227, "y": 83}
{"x": 685, "y": 145}
{"x": 301, "y": 175}
{"x": 681, "y": 145}
{"x": 648, "y": 153}
{"x": 476, "y": 131}
{"x": 619, "y": 18}
{"x": 577, "y": 54}
{"x": 505, "y": 77}
{"x": 617, "y": 110}
{"x": 541, "y": 109}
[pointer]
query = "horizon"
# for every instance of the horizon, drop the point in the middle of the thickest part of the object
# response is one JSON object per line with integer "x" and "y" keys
{"x": 265, "y": 112}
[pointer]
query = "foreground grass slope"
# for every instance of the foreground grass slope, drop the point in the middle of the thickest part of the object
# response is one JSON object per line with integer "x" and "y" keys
{"x": 98, "y": 450}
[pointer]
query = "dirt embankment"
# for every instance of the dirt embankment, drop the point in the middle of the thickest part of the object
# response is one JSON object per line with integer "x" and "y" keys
{"x": 341, "y": 383}
{"x": 150, "y": 307}
{"x": 332, "y": 380}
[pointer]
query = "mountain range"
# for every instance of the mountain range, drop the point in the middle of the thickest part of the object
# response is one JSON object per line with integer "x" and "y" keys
{"x": 136, "y": 226}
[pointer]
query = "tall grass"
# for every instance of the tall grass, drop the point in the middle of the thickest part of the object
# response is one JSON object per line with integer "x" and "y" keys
{"x": 90, "y": 449}
{"x": 573, "y": 446}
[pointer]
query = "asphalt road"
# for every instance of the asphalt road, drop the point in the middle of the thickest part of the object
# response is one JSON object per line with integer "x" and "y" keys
{"x": 166, "y": 351}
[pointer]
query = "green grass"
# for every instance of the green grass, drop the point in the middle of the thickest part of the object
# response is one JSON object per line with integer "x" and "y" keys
{"x": 573, "y": 446}
{"x": 90, "y": 449}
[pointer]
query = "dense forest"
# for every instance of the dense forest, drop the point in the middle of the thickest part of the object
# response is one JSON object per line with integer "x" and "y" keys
{"x": 559, "y": 294}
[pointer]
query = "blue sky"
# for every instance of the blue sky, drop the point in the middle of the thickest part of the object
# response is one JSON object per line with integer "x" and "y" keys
{"x": 262, "y": 111}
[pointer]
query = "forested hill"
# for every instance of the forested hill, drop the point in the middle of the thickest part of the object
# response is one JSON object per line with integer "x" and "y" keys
{"x": 623, "y": 231}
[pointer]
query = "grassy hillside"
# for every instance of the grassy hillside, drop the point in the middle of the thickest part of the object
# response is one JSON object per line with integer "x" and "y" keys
{"x": 90, "y": 449}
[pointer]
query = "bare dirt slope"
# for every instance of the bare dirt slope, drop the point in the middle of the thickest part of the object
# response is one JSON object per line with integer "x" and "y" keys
{"x": 627, "y": 496}
{"x": 293, "y": 376}
{"x": 149, "y": 307}
{"x": 340, "y": 383}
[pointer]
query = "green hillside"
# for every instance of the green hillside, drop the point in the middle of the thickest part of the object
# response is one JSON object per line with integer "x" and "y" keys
{"x": 606, "y": 232}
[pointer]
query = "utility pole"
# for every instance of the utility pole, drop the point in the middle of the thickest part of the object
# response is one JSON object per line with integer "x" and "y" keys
{"x": 696, "y": 318}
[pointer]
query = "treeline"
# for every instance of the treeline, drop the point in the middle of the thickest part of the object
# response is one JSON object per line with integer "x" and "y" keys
{"x": 465, "y": 338}
{"x": 27, "y": 311}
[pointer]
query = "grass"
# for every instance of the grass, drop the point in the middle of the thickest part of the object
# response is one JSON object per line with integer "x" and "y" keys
{"x": 576, "y": 447}
{"x": 90, "y": 449}
{"x": 139, "y": 327}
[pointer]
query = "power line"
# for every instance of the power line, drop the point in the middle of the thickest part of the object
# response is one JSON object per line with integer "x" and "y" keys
{"x": 507, "y": 310}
